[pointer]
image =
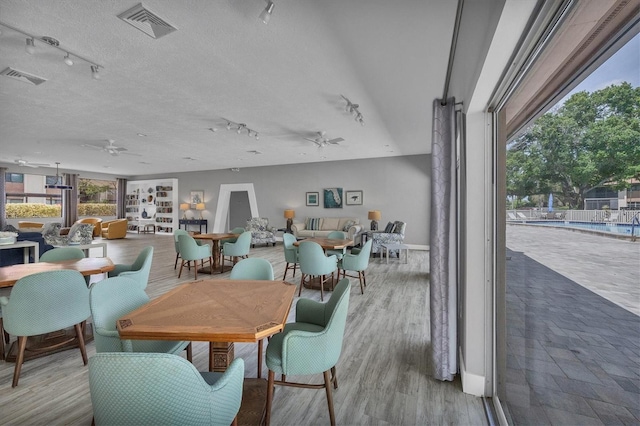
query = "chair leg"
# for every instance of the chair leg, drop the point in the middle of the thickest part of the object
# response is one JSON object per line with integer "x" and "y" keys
{"x": 189, "y": 350}
{"x": 260, "y": 358}
{"x": 267, "y": 417}
{"x": 361, "y": 278}
{"x": 175, "y": 265}
{"x": 181, "y": 266}
{"x": 22, "y": 344}
{"x": 1, "y": 340}
{"x": 322, "y": 287}
{"x": 195, "y": 269}
{"x": 80, "y": 335}
{"x": 301, "y": 284}
{"x": 327, "y": 386}
{"x": 334, "y": 377}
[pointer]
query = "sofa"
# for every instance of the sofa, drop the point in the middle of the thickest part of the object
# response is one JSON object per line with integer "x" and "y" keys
{"x": 321, "y": 227}
{"x": 15, "y": 256}
{"x": 114, "y": 229}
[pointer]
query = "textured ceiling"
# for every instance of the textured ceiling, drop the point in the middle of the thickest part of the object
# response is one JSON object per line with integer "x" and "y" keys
{"x": 283, "y": 80}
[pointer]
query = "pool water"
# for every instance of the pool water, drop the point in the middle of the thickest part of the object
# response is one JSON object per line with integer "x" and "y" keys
{"x": 611, "y": 228}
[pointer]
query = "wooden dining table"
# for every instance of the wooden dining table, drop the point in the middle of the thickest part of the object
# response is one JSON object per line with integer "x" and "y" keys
{"x": 88, "y": 266}
{"x": 220, "y": 312}
{"x": 328, "y": 243}
{"x": 215, "y": 249}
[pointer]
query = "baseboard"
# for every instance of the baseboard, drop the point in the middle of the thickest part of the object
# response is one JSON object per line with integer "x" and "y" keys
{"x": 472, "y": 384}
{"x": 417, "y": 247}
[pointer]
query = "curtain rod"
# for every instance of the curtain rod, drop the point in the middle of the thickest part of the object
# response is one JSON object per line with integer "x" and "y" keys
{"x": 452, "y": 51}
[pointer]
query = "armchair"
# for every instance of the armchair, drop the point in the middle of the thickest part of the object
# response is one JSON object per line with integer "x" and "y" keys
{"x": 113, "y": 229}
{"x": 393, "y": 234}
{"x": 311, "y": 345}
{"x": 191, "y": 251}
{"x": 162, "y": 389}
{"x": 95, "y": 221}
{"x": 139, "y": 270}
{"x": 261, "y": 232}
{"x": 313, "y": 262}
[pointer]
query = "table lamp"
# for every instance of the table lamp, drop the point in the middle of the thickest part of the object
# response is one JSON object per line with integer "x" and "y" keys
{"x": 289, "y": 214}
{"x": 184, "y": 207}
{"x": 200, "y": 207}
{"x": 374, "y": 217}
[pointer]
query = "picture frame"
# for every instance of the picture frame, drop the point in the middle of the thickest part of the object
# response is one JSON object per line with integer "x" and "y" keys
{"x": 353, "y": 198}
{"x": 332, "y": 198}
{"x": 313, "y": 199}
{"x": 196, "y": 197}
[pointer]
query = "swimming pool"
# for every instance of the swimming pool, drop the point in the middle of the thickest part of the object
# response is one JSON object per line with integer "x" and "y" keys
{"x": 609, "y": 228}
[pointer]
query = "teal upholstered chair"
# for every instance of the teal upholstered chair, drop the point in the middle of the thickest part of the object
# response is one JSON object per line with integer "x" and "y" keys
{"x": 310, "y": 345}
{"x": 62, "y": 253}
{"x": 239, "y": 249}
{"x": 253, "y": 268}
{"x": 337, "y": 235}
{"x": 139, "y": 270}
{"x": 162, "y": 389}
{"x": 290, "y": 254}
{"x": 356, "y": 263}
{"x": 175, "y": 243}
{"x": 45, "y": 302}
{"x": 191, "y": 251}
{"x": 114, "y": 297}
{"x": 313, "y": 262}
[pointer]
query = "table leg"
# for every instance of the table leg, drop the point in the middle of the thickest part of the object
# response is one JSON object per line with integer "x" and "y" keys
{"x": 216, "y": 254}
{"x": 220, "y": 356}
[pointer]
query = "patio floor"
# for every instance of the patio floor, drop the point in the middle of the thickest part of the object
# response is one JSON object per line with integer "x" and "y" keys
{"x": 573, "y": 357}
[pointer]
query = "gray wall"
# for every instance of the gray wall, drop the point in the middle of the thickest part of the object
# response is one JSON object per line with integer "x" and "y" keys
{"x": 397, "y": 186}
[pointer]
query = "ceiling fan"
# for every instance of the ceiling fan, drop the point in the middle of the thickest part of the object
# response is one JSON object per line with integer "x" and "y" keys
{"x": 323, "y": 141}
{"x": 24, "y": 163}
{"x": 110, "y": 148}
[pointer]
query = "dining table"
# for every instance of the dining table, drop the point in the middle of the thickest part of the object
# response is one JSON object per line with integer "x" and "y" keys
{"x": 61, "y": 340}
{"x": 215, "y": 239}
{"x": 220, "y": 312}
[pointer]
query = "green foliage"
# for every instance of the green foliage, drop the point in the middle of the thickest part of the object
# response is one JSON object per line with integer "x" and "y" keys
{"x": 35, "y": 210}
{"x": 96, "y": 209}
{"x": 591, "y": 140}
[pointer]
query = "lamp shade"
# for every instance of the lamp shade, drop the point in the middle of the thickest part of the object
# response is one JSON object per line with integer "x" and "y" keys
{"x": 200, "y": 206}
{"x": 375, "y": 215}
{"x": 184, "y": 206}
{"x": 289, "y": 214}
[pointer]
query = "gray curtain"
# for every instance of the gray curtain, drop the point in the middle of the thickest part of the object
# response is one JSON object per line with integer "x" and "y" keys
{"x": 121, "y": 193}
{"x": 3, "y": 197}
{"x": 443, "y": 298}
{"x": 70, "y": 200}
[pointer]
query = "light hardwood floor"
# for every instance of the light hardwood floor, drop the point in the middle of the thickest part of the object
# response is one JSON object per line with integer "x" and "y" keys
{"x": 383, "y": 372}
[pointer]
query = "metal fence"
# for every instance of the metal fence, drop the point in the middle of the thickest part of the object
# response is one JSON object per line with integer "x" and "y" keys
{"x": 613, "y": 216}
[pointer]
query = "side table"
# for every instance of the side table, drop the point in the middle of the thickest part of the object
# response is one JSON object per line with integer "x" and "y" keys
{"x": 399, "y": 247}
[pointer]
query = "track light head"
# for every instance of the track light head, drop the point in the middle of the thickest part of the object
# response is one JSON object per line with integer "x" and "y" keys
{"x": 30, "y": 48}
{"x": 265, "y": 16}
{"x": 68, "y": 60}
{"x": 94, "y": 72}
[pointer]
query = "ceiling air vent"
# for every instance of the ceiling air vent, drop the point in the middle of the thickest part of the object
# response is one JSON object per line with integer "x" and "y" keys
{"x": 25, "y": 77}
{"x": 147, "y": 21}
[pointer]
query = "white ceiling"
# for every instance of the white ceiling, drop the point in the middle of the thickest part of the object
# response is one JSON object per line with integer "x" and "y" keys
{"x": 283, "y": 80}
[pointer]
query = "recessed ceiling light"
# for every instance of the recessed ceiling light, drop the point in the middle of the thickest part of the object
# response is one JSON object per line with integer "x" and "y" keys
{"x": 254, "y": 152}
{"x": 303, "y": 153}
{"x": 213, "y": 129}
{"x": 189, "y": 158}
{"x": 144, "y": 162}
{"x": 141, "y": 134}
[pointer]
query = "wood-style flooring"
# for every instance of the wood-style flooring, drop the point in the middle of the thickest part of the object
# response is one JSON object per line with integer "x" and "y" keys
{"x": 383, "y": 372}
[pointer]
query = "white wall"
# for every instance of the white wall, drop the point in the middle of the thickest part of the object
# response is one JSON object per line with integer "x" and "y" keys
{"x": 397, "y": 186}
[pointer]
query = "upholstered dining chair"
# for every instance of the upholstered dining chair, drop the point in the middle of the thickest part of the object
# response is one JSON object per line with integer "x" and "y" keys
{"x": 239, "y": 249}
{"x": 356, "y": 263}
{"x": 253, "y": 268}
{"x": 337, "y": 235}
{"x": 62, "y": 253}
{"x": 112, "y": 298}
{"x": 177, "y": 247}
{"x": 191, "y": 251}
{"x": 138, "y": 271}
{"x": 162, "y": 389}
{"x": 310, "y": 345}
{"x": 290, "y": 254}
{"x": 313, "y": 262}
{"x": 42, "y": 303}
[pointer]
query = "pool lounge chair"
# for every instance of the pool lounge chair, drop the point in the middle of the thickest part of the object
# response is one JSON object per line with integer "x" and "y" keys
{"x": 521, "y": 215}
{"x": 512, "y": 216}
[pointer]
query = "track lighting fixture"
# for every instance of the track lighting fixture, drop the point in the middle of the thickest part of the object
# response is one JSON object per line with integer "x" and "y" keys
{"x": 30, "y": 48}
{"x": 352, "y": 109}
{"x": 241, "y": 127}
{"x": 265, "y": 16}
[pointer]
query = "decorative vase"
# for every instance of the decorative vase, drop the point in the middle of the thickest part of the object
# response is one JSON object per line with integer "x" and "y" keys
{"x": 144, "y": 213}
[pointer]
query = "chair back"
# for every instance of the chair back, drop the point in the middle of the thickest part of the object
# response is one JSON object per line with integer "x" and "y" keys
{"x": 139, "y": 270}
{"x": 190, "y": 250}
{"x": 313, "y": 260}
{"x": 336, "y": 235}
{"x": 110, "y": 299}
{"x": 62, "y": 253}
{"x": 240, "y": 248}
{"x": 290, "y": 251}
{"x": 161, "y": 389}
{"x": 253, "y": 268}
{"x": 46, "y": 301}
{"x": 360, "y": 261}
{"x": 175, "y": 238}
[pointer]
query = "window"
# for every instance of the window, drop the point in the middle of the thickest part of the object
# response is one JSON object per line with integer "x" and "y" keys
{"x": 14, "y": 177}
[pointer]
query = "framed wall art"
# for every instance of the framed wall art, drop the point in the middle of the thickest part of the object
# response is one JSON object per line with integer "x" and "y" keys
{"x": 313, "y": 199}
{"x": 353, "y": 198}
{"x": 333, "y": 198}
{"x": 196, "y": 197}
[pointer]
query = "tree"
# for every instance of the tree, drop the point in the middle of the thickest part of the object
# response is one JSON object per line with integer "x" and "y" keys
{"x": 88, "y": 189}
{"x": 591, "y": 140}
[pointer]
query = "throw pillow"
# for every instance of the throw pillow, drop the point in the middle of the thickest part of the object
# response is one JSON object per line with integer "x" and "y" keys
{"x": 389, "y": 228}
{"x": 348, "y": 225}
{"x": 314, "y": 223}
